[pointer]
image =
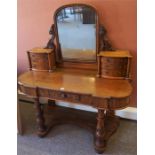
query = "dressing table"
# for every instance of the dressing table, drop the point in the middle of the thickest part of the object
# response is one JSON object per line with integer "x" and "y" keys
{"x": 79, "y": 65}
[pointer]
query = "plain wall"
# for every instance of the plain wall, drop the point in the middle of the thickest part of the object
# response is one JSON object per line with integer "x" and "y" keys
{"x": 118, "y": 17}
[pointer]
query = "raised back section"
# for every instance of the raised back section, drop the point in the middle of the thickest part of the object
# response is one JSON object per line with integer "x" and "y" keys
{"x": 79, "y": 37}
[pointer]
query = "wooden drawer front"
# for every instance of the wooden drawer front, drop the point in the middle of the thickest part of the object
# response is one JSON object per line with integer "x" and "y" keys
{"x": 27, "y": 90}
{"x": 115, "y": 67}
{"x": 43, "y": 92}
{"x": 86, "y": 99}
{"x": 39, "y": 61}
{"x": 111, "y": 104}
{"x": 119, "y": 103}
{"x": 58, "y": 95}
{"x": 113, "y": 73}
{"x": 70, "y": 97}
{"x": 100, "y": 103}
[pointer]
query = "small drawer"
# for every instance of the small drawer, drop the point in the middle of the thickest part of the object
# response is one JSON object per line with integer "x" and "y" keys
{"x": 70, "y": 97}
{"x": 114, "y": 64}
{"x": 119, "y": 103}
{"x": 101, "y": 103}
{"x": 113, "y": 72}
{"x": 40, "y": 62}
{"x": 41, "y": 59}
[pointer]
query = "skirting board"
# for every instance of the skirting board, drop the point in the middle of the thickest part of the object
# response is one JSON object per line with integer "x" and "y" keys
{"x": 128, "y": 113}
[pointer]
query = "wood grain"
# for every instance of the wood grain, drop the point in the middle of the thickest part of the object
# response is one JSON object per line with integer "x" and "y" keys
{"x": 83, "y": 87}
{"x": 114, "y": 65}
{"x": 41, "y": 59}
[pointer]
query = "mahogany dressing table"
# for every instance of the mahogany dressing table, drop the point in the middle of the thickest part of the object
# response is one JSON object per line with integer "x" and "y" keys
{"x": 88, "y": 72}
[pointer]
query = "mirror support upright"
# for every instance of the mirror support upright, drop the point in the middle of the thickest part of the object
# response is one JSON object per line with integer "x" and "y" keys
{"x": 50, "y": 43}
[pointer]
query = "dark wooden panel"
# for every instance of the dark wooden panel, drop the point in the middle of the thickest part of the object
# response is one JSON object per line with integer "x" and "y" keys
{"x": 113, "y": 66}
{"x": 70, "y": 97}
{"x": 117, "y": 103}
{"x": 41, "y": 59}
{"x": 98, "y": 102}
{"x": 27, "y": 90}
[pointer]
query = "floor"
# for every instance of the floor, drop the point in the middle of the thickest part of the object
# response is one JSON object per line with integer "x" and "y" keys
{"x": 72, "y": 140}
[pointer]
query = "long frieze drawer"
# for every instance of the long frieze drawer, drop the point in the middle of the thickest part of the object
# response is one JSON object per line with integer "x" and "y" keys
{"x": 119, "y": 103}
{"x": 41, "y": 59}
{"x": 70, "y": 97}
{"x": 43, "y": 92}
{"x": 101, "y": 103}
{"x": 28, "y": 90}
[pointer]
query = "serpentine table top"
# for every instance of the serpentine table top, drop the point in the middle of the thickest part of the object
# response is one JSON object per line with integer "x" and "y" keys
{"x": 77, "y": 81}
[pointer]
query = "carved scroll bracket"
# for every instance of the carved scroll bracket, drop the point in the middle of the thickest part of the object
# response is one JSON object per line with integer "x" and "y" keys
{"x": 50, "y": 43}
{"x": 104, "y": 44}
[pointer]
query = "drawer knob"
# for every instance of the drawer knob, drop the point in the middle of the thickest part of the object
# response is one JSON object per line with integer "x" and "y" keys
{"x": 64, "y": 95}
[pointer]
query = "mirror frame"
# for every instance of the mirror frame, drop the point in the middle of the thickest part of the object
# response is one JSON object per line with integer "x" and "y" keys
{"x": 58, "y": 50}
{"x": 102, "y": 42}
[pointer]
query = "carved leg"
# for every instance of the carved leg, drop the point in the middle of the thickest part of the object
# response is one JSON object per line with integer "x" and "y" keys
{"x": 100, "y": 132}
{"x": 110, "y": 113}
{"x": 40, "y": 118}
{"x": 112, "y": 120}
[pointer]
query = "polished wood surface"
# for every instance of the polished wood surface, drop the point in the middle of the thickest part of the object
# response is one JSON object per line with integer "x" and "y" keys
{"x": 84, "y": 82}
{"x": 40, "y": 50}
{"x": 114, "y": 64}
{"x": 41, "y": 59}
{"x": 115, "y": 54}
{"x": 78, "y": 86}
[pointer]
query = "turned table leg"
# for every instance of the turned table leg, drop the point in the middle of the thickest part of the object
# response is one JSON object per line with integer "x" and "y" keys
{"x": 40, "y": 118}
{"x": 100, "y": 132}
